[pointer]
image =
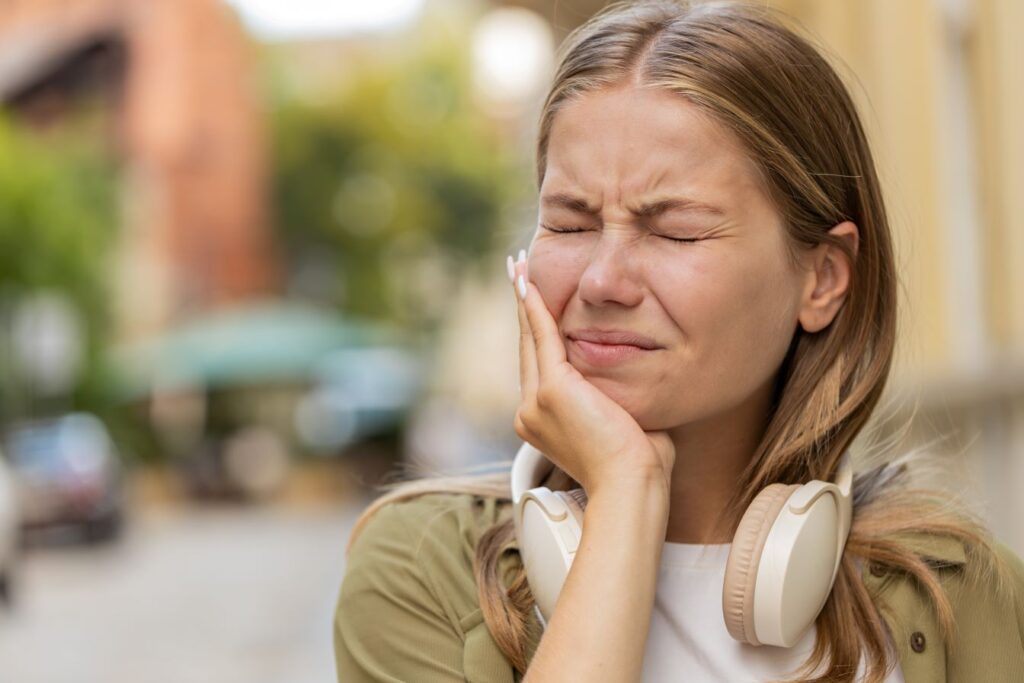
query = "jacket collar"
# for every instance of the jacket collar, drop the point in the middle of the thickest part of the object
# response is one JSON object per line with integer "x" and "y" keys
{"x": 942, "y": 549}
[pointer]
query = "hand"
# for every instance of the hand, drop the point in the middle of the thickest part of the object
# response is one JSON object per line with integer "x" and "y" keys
{"x": 584, "y": 432}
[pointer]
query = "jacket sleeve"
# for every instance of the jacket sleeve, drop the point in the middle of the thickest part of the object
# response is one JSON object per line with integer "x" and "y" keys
{"x": 390, "y": 624}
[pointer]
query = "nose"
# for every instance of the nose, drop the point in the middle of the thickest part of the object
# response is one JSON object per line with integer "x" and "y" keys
{"x": 610, "y": 276}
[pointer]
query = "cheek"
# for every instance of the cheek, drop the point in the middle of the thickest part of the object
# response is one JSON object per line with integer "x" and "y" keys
{"x": 767, "y": 296}
{"x": 556, "y": 271}
{"x": 735, "y": 316}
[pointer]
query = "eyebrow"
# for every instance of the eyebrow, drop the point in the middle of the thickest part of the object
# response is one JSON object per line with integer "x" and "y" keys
{"x": 645, "y": 210}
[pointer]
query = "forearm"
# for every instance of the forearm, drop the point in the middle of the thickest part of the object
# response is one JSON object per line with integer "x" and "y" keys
{"x": 599, "y": 627}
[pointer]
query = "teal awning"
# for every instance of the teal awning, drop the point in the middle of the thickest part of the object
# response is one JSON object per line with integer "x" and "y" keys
{"x": 257, "y": 343}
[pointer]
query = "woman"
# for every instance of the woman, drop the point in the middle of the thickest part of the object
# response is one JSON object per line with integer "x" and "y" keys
{"x": 708, "y": 308}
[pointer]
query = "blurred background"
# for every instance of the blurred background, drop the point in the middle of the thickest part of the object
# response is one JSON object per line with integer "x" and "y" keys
{"x": 252, "y": 265}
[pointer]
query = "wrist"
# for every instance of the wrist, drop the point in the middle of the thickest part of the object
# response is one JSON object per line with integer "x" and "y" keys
{"x": 650, "y": 482}
{"x": 650, "y": 488}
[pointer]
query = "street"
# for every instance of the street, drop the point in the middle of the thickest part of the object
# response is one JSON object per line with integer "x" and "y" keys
{"x": 189, "y": 594}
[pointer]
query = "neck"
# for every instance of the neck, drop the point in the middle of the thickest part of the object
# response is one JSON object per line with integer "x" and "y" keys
{"x": 710, "y": 456}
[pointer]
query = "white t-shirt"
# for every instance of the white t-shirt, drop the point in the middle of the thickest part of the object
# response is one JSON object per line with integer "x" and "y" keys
{"x": 688, "y": 639}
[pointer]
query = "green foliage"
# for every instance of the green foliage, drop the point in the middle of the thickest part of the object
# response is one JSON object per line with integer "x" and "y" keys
{"x": 56, "y": 215}
{"x": 57, "y": 220}
{"x": 392, "y": 174}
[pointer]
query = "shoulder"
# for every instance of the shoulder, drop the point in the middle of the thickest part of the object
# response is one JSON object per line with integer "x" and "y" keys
{"x": 995, "y": 582}
{"x": 408, "y": 608}
{"x": 1013, "y": 562}
{"x": 431, "y": 523}
{"x": 973, "y": 578}
{"x": 1010, "y": 589}
{"x": 985, "y": 595}
{"x": 423, "y": 548}
{"x": 988, "y": 612}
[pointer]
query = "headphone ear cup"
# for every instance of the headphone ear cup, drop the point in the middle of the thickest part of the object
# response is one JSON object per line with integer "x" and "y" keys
{"x": 745, "y": 557}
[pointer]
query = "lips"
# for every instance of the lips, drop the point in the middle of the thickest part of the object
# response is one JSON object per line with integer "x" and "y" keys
{"x": 613, "y": 338}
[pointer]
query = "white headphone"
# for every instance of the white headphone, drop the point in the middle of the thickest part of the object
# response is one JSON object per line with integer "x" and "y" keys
{"x": 781, "y": 567}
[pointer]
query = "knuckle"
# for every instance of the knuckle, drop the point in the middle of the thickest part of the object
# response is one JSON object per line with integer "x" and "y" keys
{"x": 520, "y": 426}
{"x": 546, "y": 397}
{"x": 529, "y": 413}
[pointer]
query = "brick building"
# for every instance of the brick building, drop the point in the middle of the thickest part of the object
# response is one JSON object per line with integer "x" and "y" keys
{"x": 175, "y": 81}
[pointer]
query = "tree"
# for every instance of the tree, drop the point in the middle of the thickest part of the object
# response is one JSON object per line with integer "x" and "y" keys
{"x": 57, "y": 220}
{"x": 390, "y": 182}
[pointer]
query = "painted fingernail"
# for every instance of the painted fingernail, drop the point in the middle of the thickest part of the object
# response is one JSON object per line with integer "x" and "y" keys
{"x": 521, "y": 286}
{"x": 510, "y": 265}
{"x": 522, "y": 256}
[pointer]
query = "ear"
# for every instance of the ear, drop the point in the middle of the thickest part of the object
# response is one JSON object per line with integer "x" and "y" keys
{"x": 827, "y": 279}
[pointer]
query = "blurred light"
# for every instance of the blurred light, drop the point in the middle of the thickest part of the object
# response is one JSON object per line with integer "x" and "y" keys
{"x": 513, "y": 54}
{"x": 326, "y": 420}
{"x": 257, "y": 459}
{"x": 48, "y": 337}
{"x": 304, "y": 19}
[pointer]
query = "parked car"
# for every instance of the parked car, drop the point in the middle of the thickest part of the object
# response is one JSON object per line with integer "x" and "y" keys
{"x": 10, "y": 524}
{"x": 68, "y": 472}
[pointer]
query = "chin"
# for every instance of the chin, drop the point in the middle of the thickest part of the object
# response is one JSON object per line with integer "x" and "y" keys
{"x": 631, "y": 399}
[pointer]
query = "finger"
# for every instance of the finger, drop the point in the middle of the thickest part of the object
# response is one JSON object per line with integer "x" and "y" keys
{"x": 528, "y": 374}
{"x": 550, "y": 350}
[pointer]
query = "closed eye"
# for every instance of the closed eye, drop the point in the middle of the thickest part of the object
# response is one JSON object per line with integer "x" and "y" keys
{"x": 578, "y": 229}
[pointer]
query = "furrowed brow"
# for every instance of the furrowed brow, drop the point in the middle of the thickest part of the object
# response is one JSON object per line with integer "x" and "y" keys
{"x": 568, "y": 201}
{"x": 644, "y": 210}
{"x": 649, "y": 209}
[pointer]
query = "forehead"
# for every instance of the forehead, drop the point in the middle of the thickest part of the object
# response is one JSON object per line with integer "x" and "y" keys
{"x": 619, "y": 144}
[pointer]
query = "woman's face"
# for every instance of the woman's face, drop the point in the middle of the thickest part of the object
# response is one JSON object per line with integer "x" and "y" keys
{"x": 722, "y": 310}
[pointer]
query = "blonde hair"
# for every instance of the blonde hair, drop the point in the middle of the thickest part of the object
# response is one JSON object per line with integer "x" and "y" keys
{"x": 775, "y": 92}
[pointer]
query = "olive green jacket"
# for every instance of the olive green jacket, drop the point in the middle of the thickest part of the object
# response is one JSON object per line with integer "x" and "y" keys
{"x": 408, "y": 608}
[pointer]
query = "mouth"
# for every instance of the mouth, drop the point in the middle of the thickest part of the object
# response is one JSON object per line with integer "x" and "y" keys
{"x": 613, "y": 338}
{"x": 604, "y": 348}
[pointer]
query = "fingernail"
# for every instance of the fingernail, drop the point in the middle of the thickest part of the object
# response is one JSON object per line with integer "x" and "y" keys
{"x": 522, "y": 256}
{"x": 521, "y": 286}
{"x": 510, "y": 265}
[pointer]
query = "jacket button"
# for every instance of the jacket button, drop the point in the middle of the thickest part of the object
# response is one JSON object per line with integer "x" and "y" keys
{"x": 917, "y": 641}
{"x": 877, "y": 569}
